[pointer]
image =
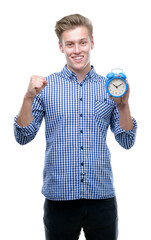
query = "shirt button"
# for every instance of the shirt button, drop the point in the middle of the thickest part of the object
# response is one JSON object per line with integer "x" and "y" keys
{"x": 72, "y": 76}
{"x": 81, "y": 147}
{"x": 81, "y": 115}
{"x": 81, "y": 131}
{"x": 80, "y": 99}
{"x": 82, "y": 164}
{"x": 82, "y": 180}
{"x": 82, "y": 174}
{"x": 81, "y": 84}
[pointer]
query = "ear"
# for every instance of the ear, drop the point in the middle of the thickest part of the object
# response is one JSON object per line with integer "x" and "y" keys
{"x": 92, "y": 42}
{"x": 61, "y": 47}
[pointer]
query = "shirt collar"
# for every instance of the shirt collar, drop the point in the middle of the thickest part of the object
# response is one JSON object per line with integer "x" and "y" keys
{"x": 91, "y": 73}
{"x": 69, "y": 74}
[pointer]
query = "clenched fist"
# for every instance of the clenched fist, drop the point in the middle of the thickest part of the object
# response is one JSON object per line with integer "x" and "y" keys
{"x": 36, "y": 85}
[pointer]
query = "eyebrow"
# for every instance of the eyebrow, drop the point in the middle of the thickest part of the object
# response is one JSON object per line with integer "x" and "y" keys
{"x": 82, "y": 39}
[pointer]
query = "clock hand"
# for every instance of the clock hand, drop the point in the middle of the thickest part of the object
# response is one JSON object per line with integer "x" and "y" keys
{"x": 115, "y": 85}
{"x": 119, "y": 85}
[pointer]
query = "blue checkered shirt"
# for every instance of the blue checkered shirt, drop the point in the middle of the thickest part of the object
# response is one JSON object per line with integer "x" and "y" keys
{"x": 77, "y": 117}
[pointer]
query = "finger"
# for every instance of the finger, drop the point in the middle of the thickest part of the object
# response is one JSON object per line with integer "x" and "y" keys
{"x": 45, "y": 82}
{"x": 38, "y": 84}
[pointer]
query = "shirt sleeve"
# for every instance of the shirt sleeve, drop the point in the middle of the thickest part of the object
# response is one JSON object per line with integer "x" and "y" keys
{"x": 125, "y": 138}
{"x": 24, "y": 135}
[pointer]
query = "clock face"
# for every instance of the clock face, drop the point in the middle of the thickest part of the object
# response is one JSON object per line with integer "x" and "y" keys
{"x": 117, "y": 87}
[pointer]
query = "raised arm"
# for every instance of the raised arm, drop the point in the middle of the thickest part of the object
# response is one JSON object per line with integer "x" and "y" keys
{"x": 29, "y": 119}
{"x": 36, "y": 85}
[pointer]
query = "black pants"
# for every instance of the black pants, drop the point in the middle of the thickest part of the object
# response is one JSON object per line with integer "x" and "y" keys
{"x": 63, "y": 220}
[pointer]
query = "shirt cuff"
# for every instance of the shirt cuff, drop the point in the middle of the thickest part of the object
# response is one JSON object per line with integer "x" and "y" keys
{"x": 26, "y": 131}
{"x": 132, "y": 132}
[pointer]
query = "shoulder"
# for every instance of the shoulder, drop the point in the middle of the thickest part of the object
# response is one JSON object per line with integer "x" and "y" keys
{"x": 53, "y": 76}
{"x": 98, "y": 77}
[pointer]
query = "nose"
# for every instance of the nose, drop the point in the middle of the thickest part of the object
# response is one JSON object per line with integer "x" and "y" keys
{"x": 77, "y": 48}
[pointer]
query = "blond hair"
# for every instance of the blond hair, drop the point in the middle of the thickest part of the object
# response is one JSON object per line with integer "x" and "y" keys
{"x": 71, "y": 22}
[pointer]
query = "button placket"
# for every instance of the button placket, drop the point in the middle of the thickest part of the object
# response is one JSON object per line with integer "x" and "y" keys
{"x": 81, "y": 177}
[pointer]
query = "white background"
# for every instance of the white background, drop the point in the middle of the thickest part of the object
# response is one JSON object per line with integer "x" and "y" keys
{"x": 28, "y": 46}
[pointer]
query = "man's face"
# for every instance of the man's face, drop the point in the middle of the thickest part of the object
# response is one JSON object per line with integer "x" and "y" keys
{"x": 76, "y": 45}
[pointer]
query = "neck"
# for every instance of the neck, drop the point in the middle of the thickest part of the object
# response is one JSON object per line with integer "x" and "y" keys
{"x": 81, "y": 74}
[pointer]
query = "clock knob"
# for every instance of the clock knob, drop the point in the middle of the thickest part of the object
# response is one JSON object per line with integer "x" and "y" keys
{"x": 110, "y": 75}
{"x": 122, "y": 75}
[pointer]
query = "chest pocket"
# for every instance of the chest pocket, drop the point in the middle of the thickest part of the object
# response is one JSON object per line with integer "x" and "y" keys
{"x": 104, "y": 108}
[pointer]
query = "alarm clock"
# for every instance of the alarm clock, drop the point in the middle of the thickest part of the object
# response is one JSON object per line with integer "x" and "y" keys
{"x": 116, "y": 85}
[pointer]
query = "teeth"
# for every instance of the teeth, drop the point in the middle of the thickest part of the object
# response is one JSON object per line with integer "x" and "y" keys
{"x": 77, "y": 58}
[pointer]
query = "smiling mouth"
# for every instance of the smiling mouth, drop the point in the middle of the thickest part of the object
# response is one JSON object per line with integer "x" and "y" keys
{"x": 78, "y": 58}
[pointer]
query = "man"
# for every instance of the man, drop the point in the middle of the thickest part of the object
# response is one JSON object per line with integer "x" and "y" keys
{"x": 78, "y": 182}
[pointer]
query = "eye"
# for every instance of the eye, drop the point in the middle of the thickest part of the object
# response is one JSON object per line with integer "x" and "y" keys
{"x": 69, "y": 44}
{"x": 83, "y": 43}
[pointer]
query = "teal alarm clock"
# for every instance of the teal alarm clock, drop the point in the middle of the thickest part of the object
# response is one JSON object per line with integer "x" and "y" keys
{"x": 116, "y": 84}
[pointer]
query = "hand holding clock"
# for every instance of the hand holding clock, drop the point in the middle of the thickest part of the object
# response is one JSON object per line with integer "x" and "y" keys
{"x": 118, "y": 88}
